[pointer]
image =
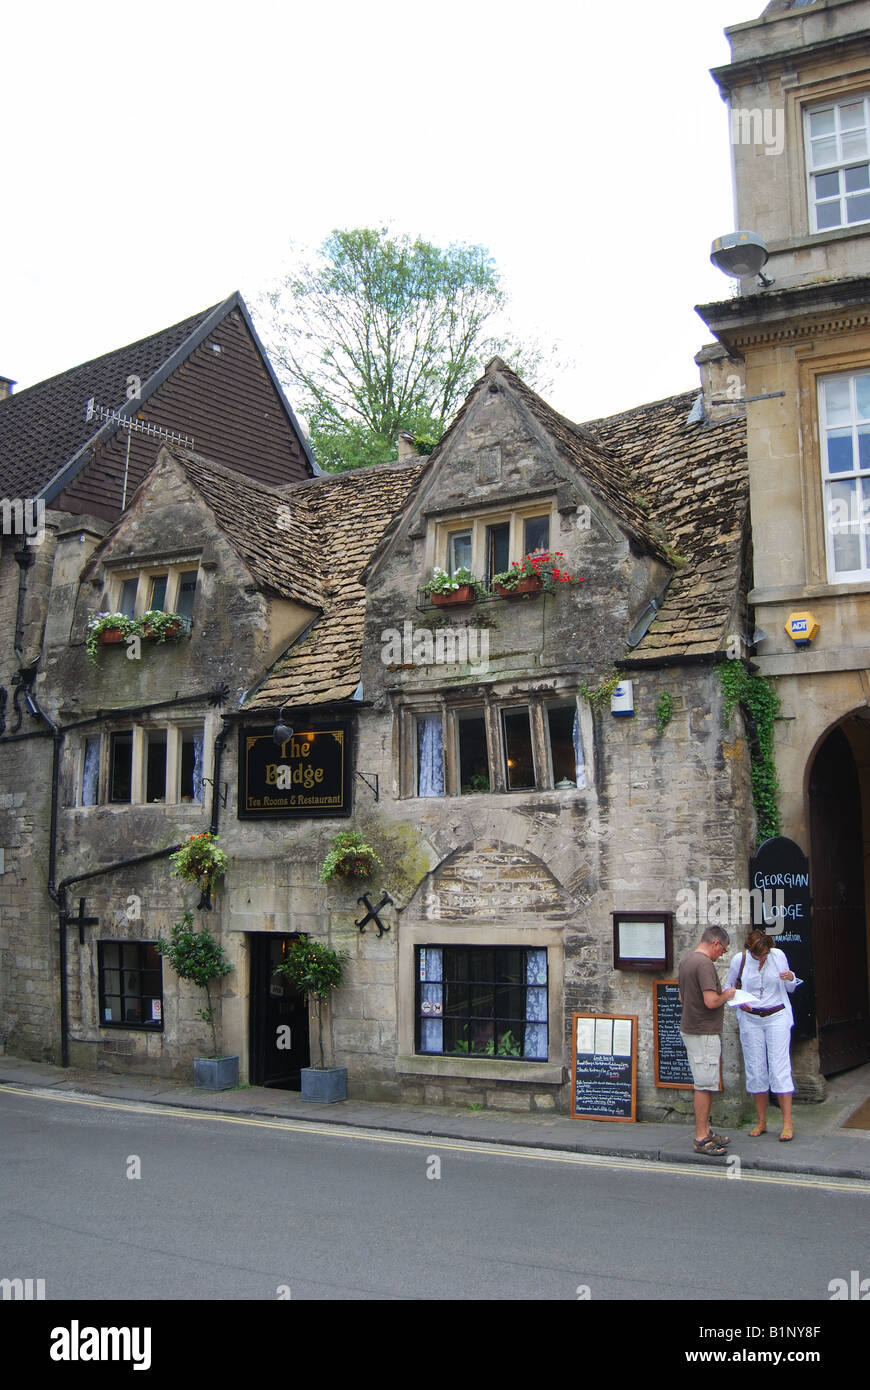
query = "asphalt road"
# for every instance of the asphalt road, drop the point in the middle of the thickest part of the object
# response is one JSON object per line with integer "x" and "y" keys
{"x": 230, "y": 1208}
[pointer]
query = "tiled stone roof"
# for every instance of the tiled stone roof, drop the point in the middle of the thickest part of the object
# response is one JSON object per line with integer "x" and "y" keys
{"x": 348, "y": 515}
{"x": 271, "y": 533}
{"x": 697, "y": 482}
{"x": 44, "y": 426}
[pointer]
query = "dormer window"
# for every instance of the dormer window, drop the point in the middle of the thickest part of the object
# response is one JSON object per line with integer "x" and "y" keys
{"x": 837, "y": 137}
{"x": 486, "y": 544}
{"x": 169, "y": 589}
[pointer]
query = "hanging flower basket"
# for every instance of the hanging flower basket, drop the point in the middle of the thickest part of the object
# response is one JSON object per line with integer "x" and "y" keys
{"x": 349, "y": 857}
{"x": 202, "y": 862}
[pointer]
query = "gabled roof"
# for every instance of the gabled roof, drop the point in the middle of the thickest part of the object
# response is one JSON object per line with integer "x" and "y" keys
{"x": 603, "y": 467}
{"x": 271, "y": 534}
{"x": 44, "y": 437}
{"x": 696, "y": 479}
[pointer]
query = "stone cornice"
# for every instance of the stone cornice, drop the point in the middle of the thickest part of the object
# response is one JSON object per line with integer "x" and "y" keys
{"x": 790, "y": 314}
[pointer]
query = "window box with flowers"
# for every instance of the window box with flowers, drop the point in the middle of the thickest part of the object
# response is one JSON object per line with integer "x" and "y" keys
{"x": 157, "y": 626}
{"x": 541, "y": 572}
{"x": 202, "y": 862}
{"x": 454, "y": 591}
{"x": 106, "y": 628}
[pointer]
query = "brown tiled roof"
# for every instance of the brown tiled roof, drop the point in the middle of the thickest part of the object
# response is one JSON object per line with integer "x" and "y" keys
{"x": 697, "y": 481}
{"x": 348, "y": 515}
{"x": 44, "y": 426}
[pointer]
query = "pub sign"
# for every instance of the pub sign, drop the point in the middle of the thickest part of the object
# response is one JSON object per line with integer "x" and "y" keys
{"x": 308, "y": 775}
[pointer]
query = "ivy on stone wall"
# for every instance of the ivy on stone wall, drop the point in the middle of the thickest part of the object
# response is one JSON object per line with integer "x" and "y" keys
{"x": 760, "y": 705}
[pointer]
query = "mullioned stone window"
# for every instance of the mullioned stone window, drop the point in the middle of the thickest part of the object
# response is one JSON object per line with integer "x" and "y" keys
{"x": 464, "y": 750}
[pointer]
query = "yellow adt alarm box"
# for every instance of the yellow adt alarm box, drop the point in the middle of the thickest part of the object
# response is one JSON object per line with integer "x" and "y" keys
{"x": 801, "y": 628}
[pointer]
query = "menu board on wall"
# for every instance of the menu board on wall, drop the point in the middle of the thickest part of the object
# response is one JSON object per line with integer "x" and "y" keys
{"x": 604, "y": 1067}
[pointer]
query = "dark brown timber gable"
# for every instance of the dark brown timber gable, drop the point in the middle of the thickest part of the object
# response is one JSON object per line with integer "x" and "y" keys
{"x": 225, "y": 400}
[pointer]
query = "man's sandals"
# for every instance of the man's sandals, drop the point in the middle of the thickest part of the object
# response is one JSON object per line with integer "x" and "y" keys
{"x": 710, "y": 1146}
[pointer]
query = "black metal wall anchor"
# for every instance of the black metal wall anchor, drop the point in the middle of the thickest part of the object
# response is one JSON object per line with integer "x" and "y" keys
{"x": 372, "y": 913}
{"x": 81, "y": 921}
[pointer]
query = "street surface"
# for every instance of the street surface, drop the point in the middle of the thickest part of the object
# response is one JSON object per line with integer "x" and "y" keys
{"x": 232, "y": 1208}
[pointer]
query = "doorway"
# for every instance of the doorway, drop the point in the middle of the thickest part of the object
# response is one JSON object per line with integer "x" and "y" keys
{"x": 839, "y": 830}
{"x": 279, "y": 1017}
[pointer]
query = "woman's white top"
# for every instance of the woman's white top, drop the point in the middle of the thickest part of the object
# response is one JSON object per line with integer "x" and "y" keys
{"x": 763, "y": 981}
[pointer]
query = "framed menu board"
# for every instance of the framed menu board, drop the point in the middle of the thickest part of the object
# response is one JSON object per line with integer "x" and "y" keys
{"x": 670, "y": 1060}
{"x": 604, "y": 1067}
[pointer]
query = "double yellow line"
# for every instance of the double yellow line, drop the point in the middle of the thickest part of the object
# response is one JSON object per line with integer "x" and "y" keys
{"x": 433, "y": 1143}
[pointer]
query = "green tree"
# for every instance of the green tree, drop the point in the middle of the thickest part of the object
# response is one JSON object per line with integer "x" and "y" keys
{"x": 383, "y": 334}
{"x": 198, "y": 957}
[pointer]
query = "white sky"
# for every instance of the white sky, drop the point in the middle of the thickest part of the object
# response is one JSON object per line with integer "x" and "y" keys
{"x": 158, "y": 156}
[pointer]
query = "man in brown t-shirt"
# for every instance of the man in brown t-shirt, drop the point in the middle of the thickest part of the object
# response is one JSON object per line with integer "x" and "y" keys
{"x": 701, "y": 1030}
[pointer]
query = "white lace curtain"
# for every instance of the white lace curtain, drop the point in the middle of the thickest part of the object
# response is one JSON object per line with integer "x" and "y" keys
{"x": 579, "y": 764}
{"x": 430, "y": 756}
{"x": 91, "y": 772}
{"x": 197, "y": 766}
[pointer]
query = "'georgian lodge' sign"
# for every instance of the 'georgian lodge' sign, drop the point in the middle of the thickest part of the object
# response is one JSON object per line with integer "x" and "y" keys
{"x": 309, "y": 775}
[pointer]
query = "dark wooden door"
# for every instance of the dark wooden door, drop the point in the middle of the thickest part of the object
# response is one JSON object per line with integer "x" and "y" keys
{"x": 279, "y": 1017}
{"x": 839, "y": 932}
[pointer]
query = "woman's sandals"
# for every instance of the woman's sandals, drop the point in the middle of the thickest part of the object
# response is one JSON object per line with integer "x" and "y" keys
{"x": 759, "y": 1129}
{"x": 787, "y": 1134}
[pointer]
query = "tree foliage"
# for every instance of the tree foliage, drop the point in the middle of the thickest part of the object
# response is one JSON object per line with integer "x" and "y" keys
{"x": 382, "y": 334}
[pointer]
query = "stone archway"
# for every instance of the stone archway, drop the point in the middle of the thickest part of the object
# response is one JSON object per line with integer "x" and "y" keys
{"x": 839, "y": 820}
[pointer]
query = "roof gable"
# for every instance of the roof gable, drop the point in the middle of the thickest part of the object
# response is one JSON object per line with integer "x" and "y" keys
{"x": 45, "y": 440}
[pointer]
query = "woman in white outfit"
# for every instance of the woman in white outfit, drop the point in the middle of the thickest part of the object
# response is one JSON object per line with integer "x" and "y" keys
{"x": 765, "y": 1028}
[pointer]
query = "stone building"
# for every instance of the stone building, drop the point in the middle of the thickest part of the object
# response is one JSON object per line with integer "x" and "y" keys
{"x": 798, "y": 93}
{"x": 474, "y": 748}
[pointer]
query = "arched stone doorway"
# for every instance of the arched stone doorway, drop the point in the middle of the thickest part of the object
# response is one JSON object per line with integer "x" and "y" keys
{"x": 839, "y": 807}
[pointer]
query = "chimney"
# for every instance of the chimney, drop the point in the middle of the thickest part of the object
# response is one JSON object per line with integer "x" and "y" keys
{"x": 6, "y": 384}
{"x": 407, "y": 447}
{"x": 723, "y": 384}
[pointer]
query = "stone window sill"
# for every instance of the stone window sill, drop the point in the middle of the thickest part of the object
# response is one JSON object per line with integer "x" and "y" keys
{"x": 486, "y": 1069}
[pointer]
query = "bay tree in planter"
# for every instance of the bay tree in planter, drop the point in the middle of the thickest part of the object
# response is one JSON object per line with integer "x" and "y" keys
{"x": 316, "y": 970}
{"x": 196, "y": 956}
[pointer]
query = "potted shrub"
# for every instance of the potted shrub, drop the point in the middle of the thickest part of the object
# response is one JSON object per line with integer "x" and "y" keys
{"x": 202, "y": 861}
{"x": 349, "y": 857}
{"x": 316, "y": 970}
{"x": 105, "y": 628}
{"x": 197, "y": 957}
{"x": 454, "y": 591}
{"x": 541, "y": 572}
{"x": 162, "y": 627}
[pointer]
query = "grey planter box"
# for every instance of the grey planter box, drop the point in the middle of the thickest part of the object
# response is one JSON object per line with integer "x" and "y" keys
{"x": 324, "y": 1085}
{"x": 215, "y": 1073}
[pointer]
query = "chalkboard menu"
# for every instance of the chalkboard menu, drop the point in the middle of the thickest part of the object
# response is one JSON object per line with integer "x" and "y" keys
{"x": 779, "y": 879}
{"x": 670, "y": 1057}
{"x": 604, "y": 1067}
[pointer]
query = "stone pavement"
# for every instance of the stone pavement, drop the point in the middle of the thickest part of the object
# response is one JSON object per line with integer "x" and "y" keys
{"x": 821, "y": 1146}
